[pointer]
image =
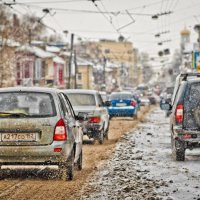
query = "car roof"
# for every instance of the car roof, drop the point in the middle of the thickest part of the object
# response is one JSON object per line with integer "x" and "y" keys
{"x": 29, "y": 89}
{"x": 82, "y": 91}
{"x": 195, "y": 80}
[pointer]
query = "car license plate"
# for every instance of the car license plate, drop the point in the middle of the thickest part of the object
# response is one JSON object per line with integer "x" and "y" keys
{"x": 17, "y": 137}
{"x": 120, "y": 104}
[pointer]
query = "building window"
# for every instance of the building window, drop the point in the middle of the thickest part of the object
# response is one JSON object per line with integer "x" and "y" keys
{"x": 79, "y": 77}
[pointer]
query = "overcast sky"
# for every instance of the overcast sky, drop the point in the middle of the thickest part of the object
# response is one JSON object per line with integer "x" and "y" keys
{"x": 93, "y": 26}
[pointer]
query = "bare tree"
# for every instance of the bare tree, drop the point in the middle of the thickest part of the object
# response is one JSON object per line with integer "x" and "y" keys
{"x": 31, "y": 28}
{"x": 6, "y": 53}
{"x": 12, "y": 30}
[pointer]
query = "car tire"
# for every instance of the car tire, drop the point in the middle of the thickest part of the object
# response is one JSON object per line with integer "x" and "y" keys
{"x": 80, "y": 162}
{"x": 106, "y": 135}
{"x": 67, "y": 168}
{"x": 1, "y": 173}
{"x": 178, "y": 154}
{"x": 101, "y": 137}
{"x": 106, "y": 132}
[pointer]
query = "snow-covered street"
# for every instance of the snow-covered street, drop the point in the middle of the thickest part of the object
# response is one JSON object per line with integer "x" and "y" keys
{"x": 142, "y": 167}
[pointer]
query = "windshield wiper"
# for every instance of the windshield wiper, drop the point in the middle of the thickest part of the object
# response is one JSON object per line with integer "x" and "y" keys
{"x": 7, "y": 114}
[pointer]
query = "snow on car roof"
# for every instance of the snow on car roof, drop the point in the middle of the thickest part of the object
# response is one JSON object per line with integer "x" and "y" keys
{"x": 31, "y": 89}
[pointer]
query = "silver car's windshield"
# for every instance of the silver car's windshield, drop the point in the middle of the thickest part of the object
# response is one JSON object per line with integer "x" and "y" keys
{"x": 26, "y": 104}
{"x": 82, "y": 99}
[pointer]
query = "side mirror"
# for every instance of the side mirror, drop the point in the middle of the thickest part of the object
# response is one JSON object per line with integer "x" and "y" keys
{"x": 107, "y": 103}
{"x": 165, "y": 106}
{"x": 82, "y": 116}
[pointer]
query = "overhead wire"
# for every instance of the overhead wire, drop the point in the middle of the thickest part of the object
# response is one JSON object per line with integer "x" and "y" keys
{"x": 52, "y": 2}
{"x": 147, "y": 5}
{"x": 114, "y": 13}
{"x": 39, "y": 21}
{"x": 165, "y": 20}
{"x": 106, "y": 18}
{"x": 168, "y": 3}
{"x": 105, "y": 10}
{"x": 159, "y": 22}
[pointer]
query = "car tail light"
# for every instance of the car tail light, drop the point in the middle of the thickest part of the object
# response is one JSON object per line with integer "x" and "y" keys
{"x": 133, "y": 103}
{"x": 179, "y": 113}
{"x": 95, "y": 120}
{"x": 186, "y": 136}
{"x": 60, "y": 133}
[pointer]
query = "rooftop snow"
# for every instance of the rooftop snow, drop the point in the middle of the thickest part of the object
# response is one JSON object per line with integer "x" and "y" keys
{"x": 37, "y": 51}
{"x": 58, "y": 60}
{"x": 52, "y": 49}
{"x": 81, "y": 61}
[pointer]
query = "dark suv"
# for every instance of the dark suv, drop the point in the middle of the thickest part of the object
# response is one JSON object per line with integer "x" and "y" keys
{"x": 185, "y": 115}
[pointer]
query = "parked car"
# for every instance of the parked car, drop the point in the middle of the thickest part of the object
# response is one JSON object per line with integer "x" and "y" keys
{"x": 90, "y": 101}
{"x": 38, "y": 127}
{"x": 185, "y": 115}
{"x": 123, "y": 105}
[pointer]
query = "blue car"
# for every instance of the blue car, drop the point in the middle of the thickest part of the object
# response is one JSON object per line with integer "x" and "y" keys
{"x": 123, "y": 105}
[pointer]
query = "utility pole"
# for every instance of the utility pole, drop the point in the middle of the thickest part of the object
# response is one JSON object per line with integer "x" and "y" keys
{"x": 104, "y": 70}
{"x": 70, "y": 60}
{"x": 75, "y": 65}
{"x": 29, "y": 36}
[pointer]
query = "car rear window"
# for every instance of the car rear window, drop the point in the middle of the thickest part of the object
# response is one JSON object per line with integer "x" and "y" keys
{"x": 82, "y": 99}
{"x": 192, "y": 107}
{"x": 120, "y": 96}
{"x": 29, "y": 104}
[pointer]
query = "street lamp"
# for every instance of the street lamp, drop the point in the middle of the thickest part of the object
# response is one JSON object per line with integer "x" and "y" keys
{"x": 197, "y": 29}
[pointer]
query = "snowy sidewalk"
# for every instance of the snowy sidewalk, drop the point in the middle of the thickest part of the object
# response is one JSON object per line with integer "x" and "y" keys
{"x": 142, "y": 167}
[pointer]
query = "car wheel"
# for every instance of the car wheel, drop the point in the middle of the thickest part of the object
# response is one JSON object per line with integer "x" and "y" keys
{"x": 106, "y": 132}
{"x": 1, "y": 173}
{"x": 67, "y": 168}
{"x": 101, "y": 137}
{"x": 80, "y": 161}
{"x": 106, "y": 135}
{"x": 178, "y": 154}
